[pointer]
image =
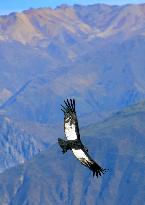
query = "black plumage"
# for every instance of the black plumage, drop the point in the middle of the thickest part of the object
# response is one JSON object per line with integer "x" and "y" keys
{"x": 73, "y": 141}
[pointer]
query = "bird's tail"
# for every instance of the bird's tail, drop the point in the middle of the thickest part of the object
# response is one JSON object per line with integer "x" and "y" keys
{"x": 97, "y": 170}
{"x": 63, "y": 144}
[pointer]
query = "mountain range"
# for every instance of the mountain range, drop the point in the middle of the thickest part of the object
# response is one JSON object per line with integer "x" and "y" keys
{"x": 68, "y": 24}
{"x": 117, "y": 143}
{"x": 94, "y": 54}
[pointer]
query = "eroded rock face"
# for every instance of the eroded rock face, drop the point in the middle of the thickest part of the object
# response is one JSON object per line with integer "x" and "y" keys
{"x": 16, "y": 146}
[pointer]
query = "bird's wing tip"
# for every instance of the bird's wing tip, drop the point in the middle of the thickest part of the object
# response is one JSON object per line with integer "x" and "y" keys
{"x": 69, "y": 105}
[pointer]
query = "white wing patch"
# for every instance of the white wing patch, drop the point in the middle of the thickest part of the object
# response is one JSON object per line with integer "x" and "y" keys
{"x": 70, "y": 131}
{"x": 80, "y": 154}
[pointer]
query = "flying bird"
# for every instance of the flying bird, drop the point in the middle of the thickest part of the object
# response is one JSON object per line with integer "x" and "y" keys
{"x": 73, "y": 141}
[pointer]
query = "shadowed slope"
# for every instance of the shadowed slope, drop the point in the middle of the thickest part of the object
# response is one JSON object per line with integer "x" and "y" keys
{"x": 16, "y": 145}
{"x": 48, "y": 179}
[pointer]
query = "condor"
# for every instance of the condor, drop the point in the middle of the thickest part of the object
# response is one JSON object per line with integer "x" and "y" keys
{"x": 73, "y": 141}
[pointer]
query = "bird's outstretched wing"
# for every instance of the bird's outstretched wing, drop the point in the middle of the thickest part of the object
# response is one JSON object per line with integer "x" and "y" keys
{"x": 83, "y": 156}
{"x": 71, "y": 127}
{"x": 72, "y": 134}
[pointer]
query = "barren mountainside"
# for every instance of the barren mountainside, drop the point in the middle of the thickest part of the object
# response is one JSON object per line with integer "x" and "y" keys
{"x": 94, "y": 54}
{"x": 42, "y": 26}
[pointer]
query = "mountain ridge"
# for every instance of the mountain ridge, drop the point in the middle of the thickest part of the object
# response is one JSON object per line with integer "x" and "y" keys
{"x": 76, "y": 21}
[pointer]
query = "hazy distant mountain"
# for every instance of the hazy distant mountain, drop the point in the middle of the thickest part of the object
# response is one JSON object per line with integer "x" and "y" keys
{"x": 105, "y": 78}
{"x": 117, "y": 143}
{"x": 16, "y": 146}
{"x": 92, "y": 53}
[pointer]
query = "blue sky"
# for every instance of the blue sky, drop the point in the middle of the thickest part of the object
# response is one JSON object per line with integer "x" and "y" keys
{"x": 7, "y": 6}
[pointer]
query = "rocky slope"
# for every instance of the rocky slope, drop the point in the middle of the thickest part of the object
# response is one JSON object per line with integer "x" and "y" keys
{"x": 16, "y": 146}
{"x": 117, "y": 143}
